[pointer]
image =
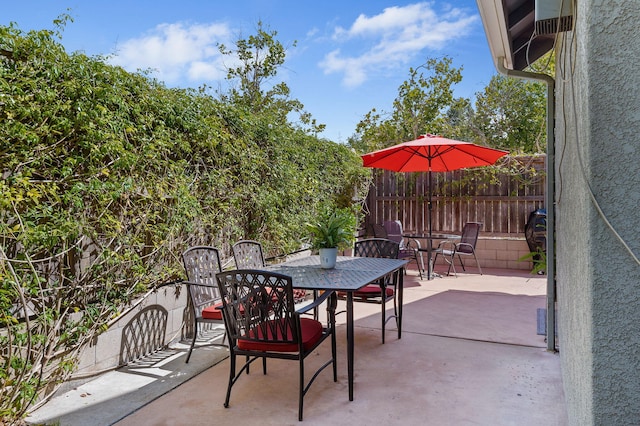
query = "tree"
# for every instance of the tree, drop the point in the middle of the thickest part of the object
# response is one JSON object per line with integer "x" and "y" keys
{"x": 510, "y": 114}
{"x": 458, "y": 121}
{"x": 419, "y": 108}
{"x": 260, "y": 57}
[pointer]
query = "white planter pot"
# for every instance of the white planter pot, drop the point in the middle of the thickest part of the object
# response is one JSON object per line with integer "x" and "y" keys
{"x": 328, "y": 258}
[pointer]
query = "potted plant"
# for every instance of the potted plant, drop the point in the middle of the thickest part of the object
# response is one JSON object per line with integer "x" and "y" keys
{"x": 332, "y": 231}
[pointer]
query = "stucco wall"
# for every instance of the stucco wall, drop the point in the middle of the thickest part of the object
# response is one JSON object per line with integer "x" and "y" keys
{"x": 598, "y": 158}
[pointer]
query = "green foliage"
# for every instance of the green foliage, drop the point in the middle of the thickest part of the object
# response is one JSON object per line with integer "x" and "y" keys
{"x": 510, "y": 114}
{"x": 107, "y": 176}
{"x": 260, "y": 57}
{"x": 539, "y": 260}
{"x": 333, "y": 228}
{"x": 419, "y": 108}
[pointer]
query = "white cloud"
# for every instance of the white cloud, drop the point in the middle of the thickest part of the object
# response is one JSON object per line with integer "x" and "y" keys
{"x": 395, "y": 36}
{"x": 177, "y": 52}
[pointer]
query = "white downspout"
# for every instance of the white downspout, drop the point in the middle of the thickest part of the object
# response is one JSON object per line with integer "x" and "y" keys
{"x": 550, "y": 194}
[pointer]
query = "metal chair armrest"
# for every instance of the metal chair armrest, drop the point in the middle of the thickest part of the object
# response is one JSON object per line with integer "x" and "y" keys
{"x": 458, "y": 245}
{"x": 413, "y": 244}
{"x": 317, "y": 302}
{"x": 442, "y": 245}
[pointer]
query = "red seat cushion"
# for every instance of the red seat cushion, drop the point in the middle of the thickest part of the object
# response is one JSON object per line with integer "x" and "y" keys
{"x": 299, "y": 294}
{"x": 311, "y": 333}
{"x": 213, "y": 312}
{"x": 368, "y": 291}
{"x": 372, "y": 290}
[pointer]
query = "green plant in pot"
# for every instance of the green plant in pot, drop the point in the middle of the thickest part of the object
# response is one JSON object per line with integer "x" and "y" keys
{"x": 333, "y": 230}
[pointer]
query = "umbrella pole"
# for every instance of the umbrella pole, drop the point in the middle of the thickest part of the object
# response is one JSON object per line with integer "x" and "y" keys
{"x": 429, "y": 203}
{"x": 429, "y": 241}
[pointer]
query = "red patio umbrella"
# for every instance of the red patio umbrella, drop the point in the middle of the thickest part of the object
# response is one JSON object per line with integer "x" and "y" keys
{"x": 431, "y": 153}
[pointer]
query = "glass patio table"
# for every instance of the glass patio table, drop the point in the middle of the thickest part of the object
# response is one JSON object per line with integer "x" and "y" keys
{"x": 349, "y": 275}
{"x": 429, "y": 249}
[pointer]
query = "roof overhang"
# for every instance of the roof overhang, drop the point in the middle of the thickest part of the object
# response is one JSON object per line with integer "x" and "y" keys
{"x": 509, "y": 26}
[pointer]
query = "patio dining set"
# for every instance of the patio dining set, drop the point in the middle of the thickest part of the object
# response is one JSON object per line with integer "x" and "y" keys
{"x": 272, "y": 310}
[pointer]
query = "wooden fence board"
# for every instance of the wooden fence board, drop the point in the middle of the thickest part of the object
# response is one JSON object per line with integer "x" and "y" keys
{"x": 502, "y": 208}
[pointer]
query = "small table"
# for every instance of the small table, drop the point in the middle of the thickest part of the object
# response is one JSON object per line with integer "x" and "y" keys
{"x": 349, "y": 275}
{"x": 429, "y": 248}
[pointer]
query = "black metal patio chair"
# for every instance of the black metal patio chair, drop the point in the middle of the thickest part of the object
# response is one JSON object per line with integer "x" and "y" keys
{"x": 262, "y": 322}
{"x": 409, "y": 247}
{"x": 201, "y": 265}
{"x": 466, "y": 247}
{"x": 385, "y": 289}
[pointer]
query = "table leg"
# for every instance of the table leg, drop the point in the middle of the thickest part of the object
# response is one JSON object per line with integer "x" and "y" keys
{"x": 429, "y": 262}
{"x": 350, "y": 343}
{"x": 400, "y": 297}
{"x": 431, "y": 273}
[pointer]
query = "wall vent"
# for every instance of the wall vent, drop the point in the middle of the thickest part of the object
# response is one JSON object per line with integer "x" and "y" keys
{"x": 553, "y": 16}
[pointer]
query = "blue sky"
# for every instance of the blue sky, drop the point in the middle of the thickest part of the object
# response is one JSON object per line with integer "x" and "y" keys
{"x": 350, "y": 56}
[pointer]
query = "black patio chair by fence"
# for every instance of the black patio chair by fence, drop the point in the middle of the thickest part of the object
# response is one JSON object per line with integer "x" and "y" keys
{"x": 201, "y": 265}
{"x": 409, "y": 247}
{"x": 466, "y": 247}
{"x": 262, "y": 322}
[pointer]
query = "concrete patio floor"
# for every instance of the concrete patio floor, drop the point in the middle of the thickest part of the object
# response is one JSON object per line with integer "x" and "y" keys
{"x": 469, "y": 354}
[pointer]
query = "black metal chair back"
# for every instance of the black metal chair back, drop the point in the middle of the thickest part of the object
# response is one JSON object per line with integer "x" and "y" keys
{"x": 466, "y": 247}
{"x": 376, "y": 247}
{"x": 248, "y": 255}
{"x": 379, "y": 231}
{"x": 409, "y": 248}
{"x": 469, "y": 238}
{"x": 255, "y": 300}
{"x": 201, "y": 264}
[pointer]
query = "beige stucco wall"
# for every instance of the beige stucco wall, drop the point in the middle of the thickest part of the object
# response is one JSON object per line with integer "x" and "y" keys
{"x": 597, "y": 197}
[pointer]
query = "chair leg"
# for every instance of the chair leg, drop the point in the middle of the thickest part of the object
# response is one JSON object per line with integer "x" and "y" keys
{"x": 399, "y": 298}
{"x": 421, "y": 265}
{"x": 301, "y": 390}
{"x": 331, "y": 314}
{"x": 461, "y": 263}
{"x": 418, "y": 264}
{"x": 395, "y": 309}
{"x": 451, "y": 263}
{"x": 383, "y": 289}
{"x": 193, "y": 341}
{"x": 232, "y": 375}
{"x": 477, "y": 263}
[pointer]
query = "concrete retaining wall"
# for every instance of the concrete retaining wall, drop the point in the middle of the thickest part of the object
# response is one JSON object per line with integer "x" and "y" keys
{"x": 500, "y": 253}
{"x": 106, "y": 350}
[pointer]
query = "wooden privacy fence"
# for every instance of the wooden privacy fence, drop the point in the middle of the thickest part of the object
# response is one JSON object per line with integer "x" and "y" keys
{"x": 502, "y": 202}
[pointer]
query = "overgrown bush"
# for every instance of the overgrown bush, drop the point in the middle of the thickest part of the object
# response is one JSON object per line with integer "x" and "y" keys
{"x": 107, "y": 176}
